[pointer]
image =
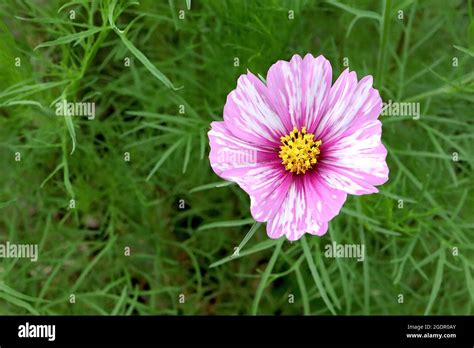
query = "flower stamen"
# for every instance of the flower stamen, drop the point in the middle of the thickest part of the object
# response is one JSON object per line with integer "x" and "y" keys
{"x": 299, "y": 152}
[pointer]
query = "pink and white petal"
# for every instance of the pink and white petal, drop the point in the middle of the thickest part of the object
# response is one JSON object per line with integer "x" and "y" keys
{"x": 356, "y": 163}
{"x": 256, "y": 169}
{"x": 300, "y": 89}
{"x": 249, "y": 115}
{"x": 267, "y": 185}
{"x": 324, "y": 201}
{"x": 295, "y": 217}
{"x": 350, "y": 105}
{"x": 229, "y": 152}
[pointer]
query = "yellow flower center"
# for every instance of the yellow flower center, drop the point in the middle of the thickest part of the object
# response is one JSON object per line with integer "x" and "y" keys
{"x": 299, "y": 152}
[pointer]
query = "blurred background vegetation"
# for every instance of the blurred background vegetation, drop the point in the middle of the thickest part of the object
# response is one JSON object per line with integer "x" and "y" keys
{"x": 180, "y": 221}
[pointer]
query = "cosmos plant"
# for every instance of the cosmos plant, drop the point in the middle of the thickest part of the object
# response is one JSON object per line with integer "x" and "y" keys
{"x": 298, "y": 144}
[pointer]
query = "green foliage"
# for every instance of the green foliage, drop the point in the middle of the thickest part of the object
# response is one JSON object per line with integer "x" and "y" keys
{"x": 180, "y": 221}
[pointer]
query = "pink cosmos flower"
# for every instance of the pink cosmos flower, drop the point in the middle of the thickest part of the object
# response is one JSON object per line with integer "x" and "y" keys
{"x": 298, "y": 145}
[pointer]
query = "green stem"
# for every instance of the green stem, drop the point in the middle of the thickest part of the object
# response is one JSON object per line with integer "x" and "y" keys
{"x": 383, "y": 43}
{"x": 265, "y": 276}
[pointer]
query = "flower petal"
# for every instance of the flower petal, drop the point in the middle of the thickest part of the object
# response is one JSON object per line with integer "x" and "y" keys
{"x": 296, "y": 217}
{"x": 229, "y": 152}
{"x": 257, "y": 170}
{"x": 299, "y": 90}
{"x": 325, "y": 202}
{"x": 356, "y": 163}
{"x": 266, "y": 184}
{"x": 351, "y": 104}
{"x": 249, "y": 115}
